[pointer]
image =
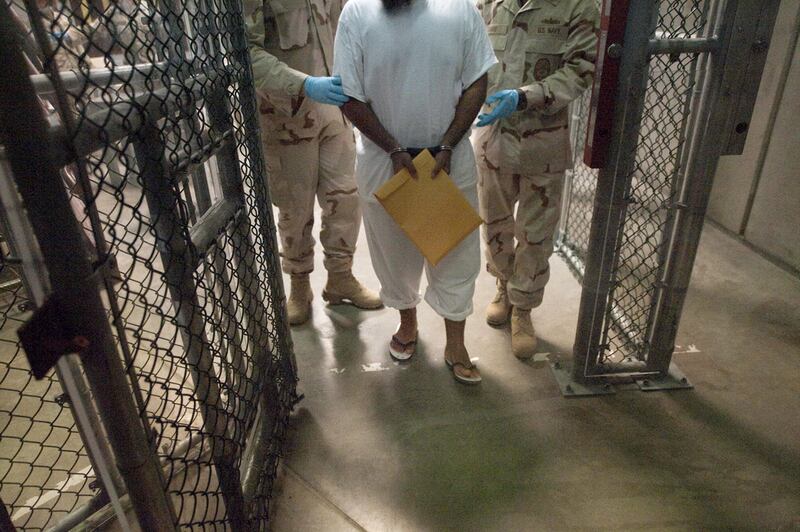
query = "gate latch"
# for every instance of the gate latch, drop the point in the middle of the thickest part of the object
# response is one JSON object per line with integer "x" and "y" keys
{"x": 55, "y": 330}
{"x": 50, "y": 334}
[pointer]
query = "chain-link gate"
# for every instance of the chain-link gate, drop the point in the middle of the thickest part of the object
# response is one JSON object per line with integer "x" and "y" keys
{"x": 136, "y": 222}
{"x": 689, "y": 73}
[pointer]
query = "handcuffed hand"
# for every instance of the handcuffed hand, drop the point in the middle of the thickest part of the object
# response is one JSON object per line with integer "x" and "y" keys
{"x": 442, "y": 162}
{"x": 402, "y": 159}
{"x": 327, "y": 90}
{"x": 507, "y": 102}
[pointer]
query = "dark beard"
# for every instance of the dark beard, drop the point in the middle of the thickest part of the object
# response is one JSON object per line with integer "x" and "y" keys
{"x": 394, "y": 5}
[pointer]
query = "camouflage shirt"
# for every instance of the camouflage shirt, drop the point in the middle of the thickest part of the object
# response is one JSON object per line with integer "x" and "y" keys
{"x": 289, "y": 40}
{"x": 67, "y": 39}
{"x": 547, "y": 49}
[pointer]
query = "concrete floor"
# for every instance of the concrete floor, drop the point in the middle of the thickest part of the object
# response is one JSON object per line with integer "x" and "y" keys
{"x": 380, "y": 446}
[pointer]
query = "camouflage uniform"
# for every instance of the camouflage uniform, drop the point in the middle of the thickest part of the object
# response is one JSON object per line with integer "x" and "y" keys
{"x": 68, "y": 41}
{"x": 123, "y": 33}
{"x": 546, "y": 48}
{"x": 309, "y": 147}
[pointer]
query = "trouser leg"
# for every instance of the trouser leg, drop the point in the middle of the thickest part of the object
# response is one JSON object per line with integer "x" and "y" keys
{"x": 451, "y": 283}
{"x": 338, "y": 196}
{"x": 498, "y": 194}
{"x": 397, "y": 262}
{"x": 537, "y": 220}
{"x": 292, "y": 172}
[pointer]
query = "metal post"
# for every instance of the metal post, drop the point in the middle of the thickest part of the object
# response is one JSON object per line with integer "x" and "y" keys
{"x": 746, "y": 22}
{"x": 173, "y": 243}
{"x": 264, "y": 219}
{"x": 23, "y": 131}
{"x": 611, "y": 199}
{"x": 697, "y": 75}
{"x": 253, "y": 464}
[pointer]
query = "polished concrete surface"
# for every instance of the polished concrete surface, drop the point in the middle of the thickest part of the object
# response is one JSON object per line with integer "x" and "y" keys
{"x": 380, "y": 446}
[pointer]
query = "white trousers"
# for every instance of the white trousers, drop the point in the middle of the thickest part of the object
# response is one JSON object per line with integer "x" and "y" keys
{"x": 399, "y": 264}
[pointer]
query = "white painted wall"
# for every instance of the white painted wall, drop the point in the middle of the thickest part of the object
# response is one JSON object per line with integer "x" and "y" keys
{"x": 757, "y": 194}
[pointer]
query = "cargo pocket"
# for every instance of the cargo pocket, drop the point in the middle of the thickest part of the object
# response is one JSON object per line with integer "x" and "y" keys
{"x": 278, "y": 187}
{"x": 546, "y": 147}
{"x": 291, "y": 21}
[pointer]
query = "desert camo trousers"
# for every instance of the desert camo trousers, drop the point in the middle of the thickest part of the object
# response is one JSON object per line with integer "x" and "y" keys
{"x": 319, "y": 168}
{"x": 524, "y": 264}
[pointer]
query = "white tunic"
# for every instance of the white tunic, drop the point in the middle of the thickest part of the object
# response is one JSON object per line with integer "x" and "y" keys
{"x": 411, "y": 66}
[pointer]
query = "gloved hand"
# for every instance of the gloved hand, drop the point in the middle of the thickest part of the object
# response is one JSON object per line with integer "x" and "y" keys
{"x": 508, "y": 100}
{"x": 326, "y": 90}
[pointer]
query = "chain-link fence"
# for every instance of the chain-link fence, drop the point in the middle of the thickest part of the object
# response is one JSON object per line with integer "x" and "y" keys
{"x": 152, "y": 123}
{"x": 651, "y": 191}
{"x": 44, "y": 470}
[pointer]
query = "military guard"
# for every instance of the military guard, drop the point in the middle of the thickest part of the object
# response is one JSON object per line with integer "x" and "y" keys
{"x": 309, "y": 146}
{"x": 547, "y": 52}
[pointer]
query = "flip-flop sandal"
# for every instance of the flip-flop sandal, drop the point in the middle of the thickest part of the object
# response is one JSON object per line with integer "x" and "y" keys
{"x": 402, "y": 356}
{"x": 460, "y": 378}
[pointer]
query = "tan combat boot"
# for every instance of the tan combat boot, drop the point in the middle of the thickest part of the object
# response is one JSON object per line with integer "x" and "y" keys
{"x": 499, "y": 309}
{"x": 523, "y": 337}
{"x": 299, "y": 304}
{"x": 343, "y": 288}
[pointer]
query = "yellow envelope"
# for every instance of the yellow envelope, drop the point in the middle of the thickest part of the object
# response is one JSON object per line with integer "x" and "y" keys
{"x": 432, "y": 212}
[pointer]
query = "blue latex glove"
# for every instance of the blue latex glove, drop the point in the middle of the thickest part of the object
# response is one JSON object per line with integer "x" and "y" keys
{"x": 508, "y": 100}
{"x": 326, "y": 90}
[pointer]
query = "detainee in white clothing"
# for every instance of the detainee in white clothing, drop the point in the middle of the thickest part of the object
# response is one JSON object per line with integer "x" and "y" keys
{"x": 415, "y": 71}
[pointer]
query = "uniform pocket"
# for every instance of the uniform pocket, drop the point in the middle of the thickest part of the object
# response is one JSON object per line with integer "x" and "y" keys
{"x": 542, "y": 58}
{"x": 278, "y": 186}
{"x": 545, "y": 149}
{"x": 291, "y": 21}
{"x": 498, "y": 35}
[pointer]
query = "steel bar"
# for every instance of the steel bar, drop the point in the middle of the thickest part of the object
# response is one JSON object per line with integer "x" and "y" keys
{"x": 120, "y": 119}
{"x": 698, "y": 45}
{"x": 59, "y": 235}
{"x": 254, "y": 463}
{"x": 10, "y": 285}
{"x": 725, "y": 76}
{"x": 692, "y": 109}
{"x": 208, "y": 146}
{"x": 173, "y": 243}
{"x": 611, "y": 196}
{"x": 78, "y": 82}
{"x": 204, "y": 233}
{"x": 264, "y": 220}
{"x": 102, "y": 469}
{"x": 79, "y": 516}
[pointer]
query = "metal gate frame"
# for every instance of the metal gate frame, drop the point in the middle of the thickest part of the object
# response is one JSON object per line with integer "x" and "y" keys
{"x": 729, "y": 54}
{"x": 77, "y": 296}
